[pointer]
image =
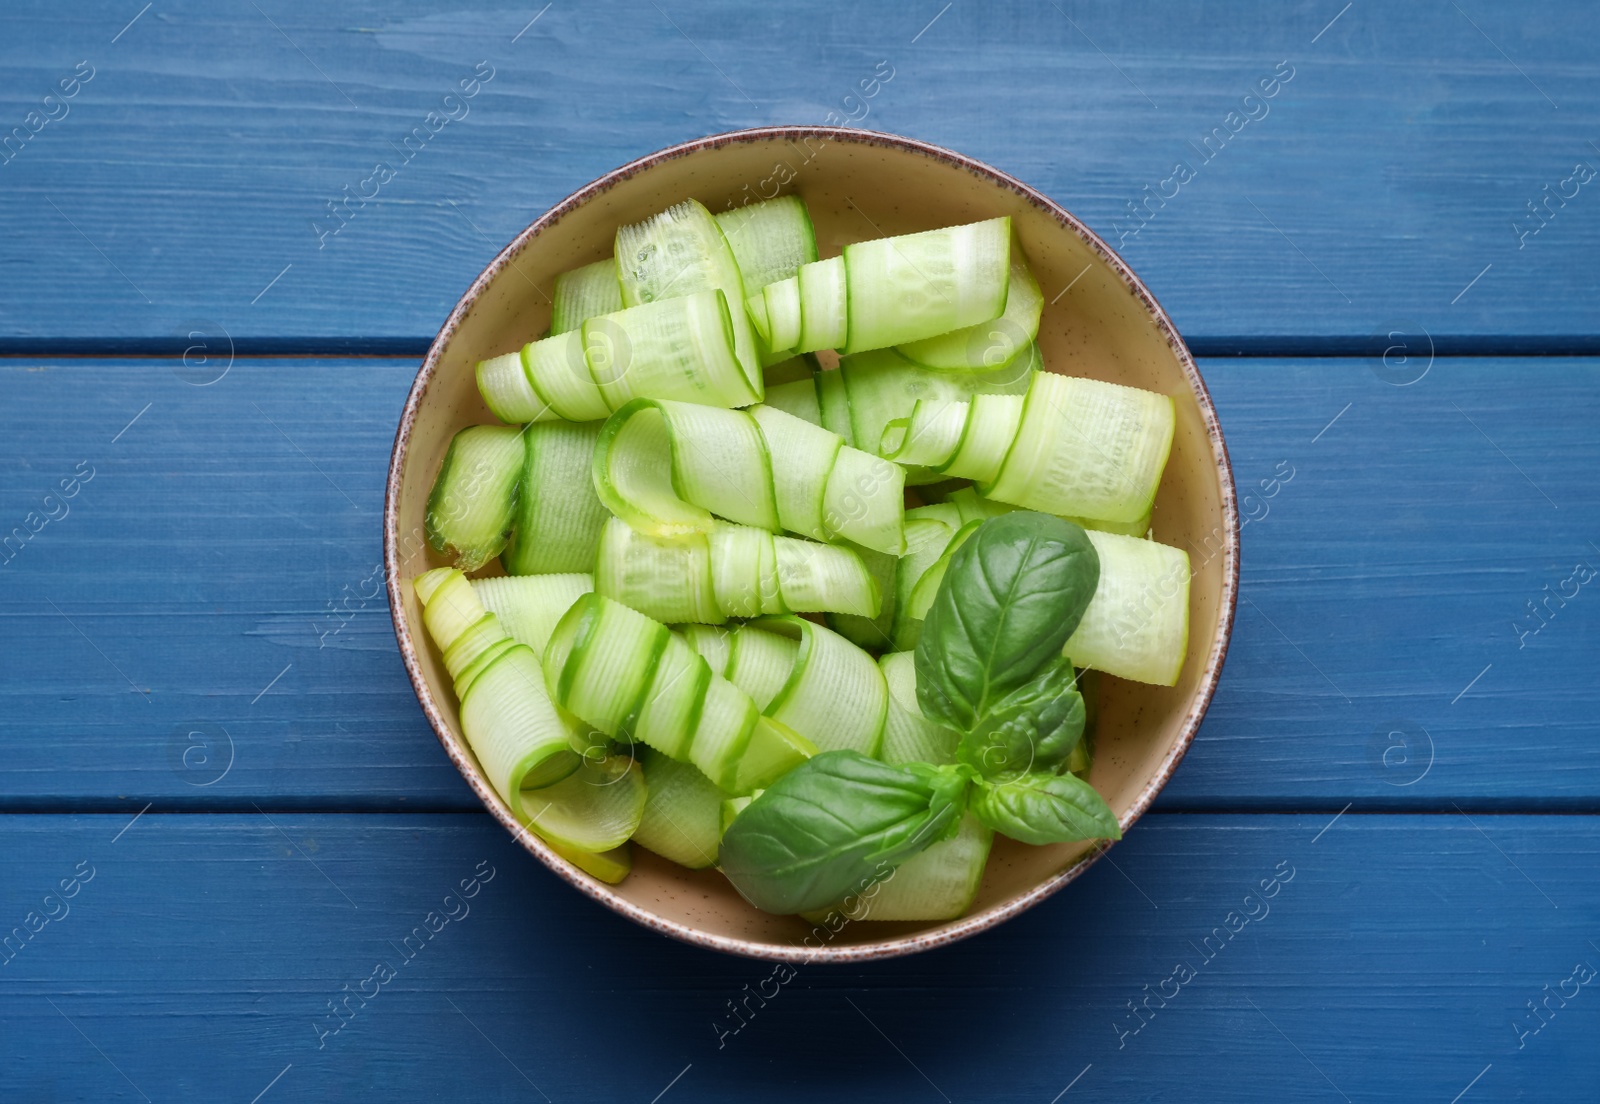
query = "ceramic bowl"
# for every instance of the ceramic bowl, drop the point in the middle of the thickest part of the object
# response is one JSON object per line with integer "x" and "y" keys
{"x": 1099, "y": 321}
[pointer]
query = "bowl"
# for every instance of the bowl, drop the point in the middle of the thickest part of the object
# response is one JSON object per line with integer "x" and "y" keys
{"x": 1099, "y": 321}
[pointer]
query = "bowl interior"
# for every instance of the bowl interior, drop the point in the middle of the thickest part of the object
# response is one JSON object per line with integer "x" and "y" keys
{"x": 1098, "y": 322}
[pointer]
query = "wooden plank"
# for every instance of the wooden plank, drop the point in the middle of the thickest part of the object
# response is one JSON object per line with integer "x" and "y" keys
{"x": 1386, "y": 184}
{"x": 1384, "y": 649}
{"x": 215, "y": 575}
{"x": 1392, "y": 959}
{"x": 197, "y": 583}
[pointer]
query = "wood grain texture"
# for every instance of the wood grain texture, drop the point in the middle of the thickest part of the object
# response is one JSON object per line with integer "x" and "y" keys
{"x": 1390, "y": 961}
{"x": 183, "y": 186}
{"x": 215, "y": 573}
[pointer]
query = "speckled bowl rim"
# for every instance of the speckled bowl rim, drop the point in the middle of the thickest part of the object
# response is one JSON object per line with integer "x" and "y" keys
{"x": 856, "y": 952}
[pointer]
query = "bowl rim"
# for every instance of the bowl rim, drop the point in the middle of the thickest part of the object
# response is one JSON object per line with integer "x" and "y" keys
{"x": 948, "y": 932}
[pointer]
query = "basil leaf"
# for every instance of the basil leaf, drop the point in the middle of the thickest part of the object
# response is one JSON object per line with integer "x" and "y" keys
{"x": 1034, "y": 728}
{"x": 1012, "y": 595}
{"x": 1045, "y": 808}
{"x": 833, "y": 825}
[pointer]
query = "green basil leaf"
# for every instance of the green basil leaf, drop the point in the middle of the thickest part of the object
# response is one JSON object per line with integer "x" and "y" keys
{"x": 1012, "y": 595}
{"x": 834, "y": 825}
{"x": 1033, "y": 729}
{"x": 1045, "y": 808}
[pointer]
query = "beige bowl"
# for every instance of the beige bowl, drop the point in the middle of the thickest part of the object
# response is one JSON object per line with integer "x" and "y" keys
{"x": 1099, "y": 321}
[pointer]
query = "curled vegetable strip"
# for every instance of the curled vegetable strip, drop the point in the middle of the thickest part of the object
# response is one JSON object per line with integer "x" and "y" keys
{"x": 680, "y": 348}
{"x": 808, "y": 677}
{"x": 891, "y": 291}
{"x": 1070, "y": 446}
{"x": 734, "y": 571}
{"x": 521, "y": 738}
{"x": 665, "y": 467}
{"x": 629, "y": 675}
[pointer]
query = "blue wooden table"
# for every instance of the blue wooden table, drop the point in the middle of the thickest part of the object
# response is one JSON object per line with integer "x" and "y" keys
{"x": 221, "y": 808}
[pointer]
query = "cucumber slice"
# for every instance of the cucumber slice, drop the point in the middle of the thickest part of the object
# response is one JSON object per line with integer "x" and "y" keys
{"x": 735, "y": 572}
{"x": 916, "y": 286}
{"x": 864, "y": 501}
{"x": 557, "y": 370}
{"x": 678, "y": 253}
{"x": 585, "y": 293}
{"x": 820, "y": 291}
{"x": 628, "y": 675}
{"x": 759, "y": 663}
{"x": 739, "y": 569}
{"x": 472, "y": 643}
{"x": 732, "y": 807}
{"x": 926, "y": 540}
{"x": 683, "y": 813}
{"x": 756, "y": 308}
{"x": 873, "y": 630}
{"x": 449, "y": 606}
{"x": 513, "y": 727}
{"x": 800, "y": 457}
{"x": 780, "y": 302}
{"x": 510, "y": 723}
{"x": 821, "y": 578}
{"x": 993, "y": 344}
{"x": 679, "y": 348}
{"x": 1140, "y": 527}
{"x": 611, "y": 665}
{"x": 558, "y": 516}
{"x": 770, "y": 240}
{"x": 1137, "y": 624}
{"x": 594, "y": 809}
{"x": 668, "y": 580}
{"x": 986, "y": 439}
{"x": 937, "y": 883}
{"x": 669, "y": 711}
{"x": 610, "y": 866}
{"x": 475, "y": 494}
{"x": 908, "y": 736}
{"x": 664, "y": 468}
{"x": 673, "y": 349}
{"x": 1086, "y": 449}
{"x": 503, "y": 382}
{"x": 529, "y": 606}
{"x": 713, "y": 643}
{"x": 834, "y": 694}
{"x": 833, "y": 405}
{"x": 926, "y": 587}
{"x": 633, "y": 474}
{"x": 929, "y": 438}
{"x": 772, "y": 751}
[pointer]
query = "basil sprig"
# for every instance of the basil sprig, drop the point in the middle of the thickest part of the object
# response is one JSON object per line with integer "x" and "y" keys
{"x": 989, "y": 665}
{"x": 1012, "y": 595}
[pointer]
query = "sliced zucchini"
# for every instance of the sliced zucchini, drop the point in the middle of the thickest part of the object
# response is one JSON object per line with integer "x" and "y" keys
{"x": 474, "y": 497}
{"x": 908, "y": 736}
{"x": 993, "y": 344}
{"x": 585, "y": 293}
{"x": 1137, "y": 624}
{"x": 558, "y": 516}
{"x": 666, "y": 467}
{"x": 916, "y": 286}
{"x": 594, "y": 809}
{"x": 683, "y": 813}
{"x": 680, "y": 252}
{"x": 628, "y": 675}
{"x": 770, "y": 240}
